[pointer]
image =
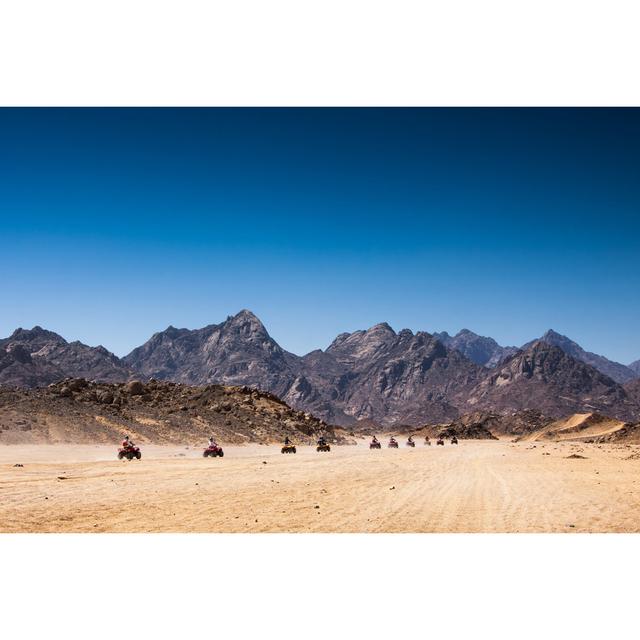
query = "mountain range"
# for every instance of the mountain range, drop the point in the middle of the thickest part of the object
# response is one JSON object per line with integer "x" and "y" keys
{"x": 376, "y": 375}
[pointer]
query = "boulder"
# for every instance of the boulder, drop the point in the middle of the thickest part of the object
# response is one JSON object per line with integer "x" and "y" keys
{"x": 134, "y": 388}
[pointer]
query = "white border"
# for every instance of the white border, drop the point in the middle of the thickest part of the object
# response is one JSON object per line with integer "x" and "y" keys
{"x": 334, "y": 52}
{"x": 314, "y": 586}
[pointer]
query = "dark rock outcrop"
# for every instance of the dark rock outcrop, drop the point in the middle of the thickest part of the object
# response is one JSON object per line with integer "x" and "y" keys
{"x": 614, "y": 370}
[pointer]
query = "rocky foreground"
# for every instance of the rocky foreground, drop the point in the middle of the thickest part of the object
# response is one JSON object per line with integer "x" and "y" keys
{"x": 77, "y": 411}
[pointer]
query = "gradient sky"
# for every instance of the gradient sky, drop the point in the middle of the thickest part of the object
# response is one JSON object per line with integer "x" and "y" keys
{"x": 116, "y": 223}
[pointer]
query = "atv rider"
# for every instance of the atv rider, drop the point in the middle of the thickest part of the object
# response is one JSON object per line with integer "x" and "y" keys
{"x": 287, "y": 442}
{"x": 410, "y": 439}
{"x": 127, "y": 443}
{"x": 322, "y": 441}
{"x": 374, "y": 440}
{"x": 212, "y": 443}
{"x": 392, "y": 440}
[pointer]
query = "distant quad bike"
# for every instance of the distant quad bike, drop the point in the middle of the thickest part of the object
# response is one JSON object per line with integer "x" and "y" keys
{"x": 213, "y": 451}
{"x": 411, "y": 443}
{"x": 454, "y": 440}
{"x": 427, "y": 442}
{"x": 129, "y": 453}
{"x": 393, "y": 444}
{"x": 440, "y": 442}
{"x": 375, "y": 445}
{"x": 323, "y": 447}
{"x": 288, "y": 448}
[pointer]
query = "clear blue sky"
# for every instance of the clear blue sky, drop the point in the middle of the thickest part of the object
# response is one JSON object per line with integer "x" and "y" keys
{"x": 117, "y": 223}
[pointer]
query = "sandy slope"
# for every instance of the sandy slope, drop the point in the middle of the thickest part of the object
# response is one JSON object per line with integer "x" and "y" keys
{"x": 477, "y": 486}
{"x": 577, "y": 427}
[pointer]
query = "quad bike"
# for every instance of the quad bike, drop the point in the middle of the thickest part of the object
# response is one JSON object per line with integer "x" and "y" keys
{"x": 392, "y": 444}
{"x": 213, "y": 450}
{"x": 454, "y": 440}
{"x": 411, "y": 443}
{"x": 323, "y": 447}
{"x": 288, "y": 448}
{"x": 129, "y": 453}
{"x": 375, "y": 445}
{"x": 427, "y": 442}
{"x": 440, "y": 442}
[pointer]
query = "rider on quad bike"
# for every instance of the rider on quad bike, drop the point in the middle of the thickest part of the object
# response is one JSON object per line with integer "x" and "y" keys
{"x": 322, "y": 441}
{"x": 410, "y": 439}
{"x": 287, "y": 441}
{"x": 127, "y": 443}
{"x": 374, "y": 440}
{"x": 212, "y": 442}
{"x": 393, "y": 442}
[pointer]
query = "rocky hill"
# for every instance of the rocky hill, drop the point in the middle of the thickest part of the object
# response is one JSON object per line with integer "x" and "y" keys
{"x": 543, "y": 377}
{"x": 616, "y": 371}
{"x": 77, "y": 411}
{"x": 635, "y": 367}
{"x": 37, "y": 357}
{"x": 479, "y": 349}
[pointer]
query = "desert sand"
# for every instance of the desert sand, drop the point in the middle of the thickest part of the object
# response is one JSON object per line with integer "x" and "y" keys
{"x": 478, "y": 486}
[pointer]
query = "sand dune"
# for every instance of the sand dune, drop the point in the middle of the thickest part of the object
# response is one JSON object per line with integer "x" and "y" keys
{"x": 479, "y": 486}
{"x": 577, "y": 427}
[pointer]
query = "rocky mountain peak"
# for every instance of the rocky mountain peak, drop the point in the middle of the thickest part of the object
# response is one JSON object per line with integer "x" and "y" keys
{"x": 33, "y": 339}
{"x": 246, "y": 324}
{"x": 613, "y": 370}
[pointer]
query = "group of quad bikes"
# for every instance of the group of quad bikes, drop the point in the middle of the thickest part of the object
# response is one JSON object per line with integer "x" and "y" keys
{"x": 130, "y": 451}
{"x": 289, "y": 447}
{"x": 393, "y": 443}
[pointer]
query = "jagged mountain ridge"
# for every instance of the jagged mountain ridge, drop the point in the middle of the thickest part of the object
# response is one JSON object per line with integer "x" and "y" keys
{"x": 36, "y": 357}
{"x": 374, "y": 375}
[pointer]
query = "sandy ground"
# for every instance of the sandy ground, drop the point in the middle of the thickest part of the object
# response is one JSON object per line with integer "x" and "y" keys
{"x": 478, "y": 486}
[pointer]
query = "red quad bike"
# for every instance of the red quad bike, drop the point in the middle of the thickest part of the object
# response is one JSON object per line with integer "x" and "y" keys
{"x": 213, "y": 450}
{"x": 129, "y": 453}
{"x": 393, "y": 444}
{"x": 375, "y": 445}
{"x": 411, "y": 443}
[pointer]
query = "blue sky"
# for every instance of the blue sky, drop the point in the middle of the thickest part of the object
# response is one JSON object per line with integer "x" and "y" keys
{"x": 116, "y": 223}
